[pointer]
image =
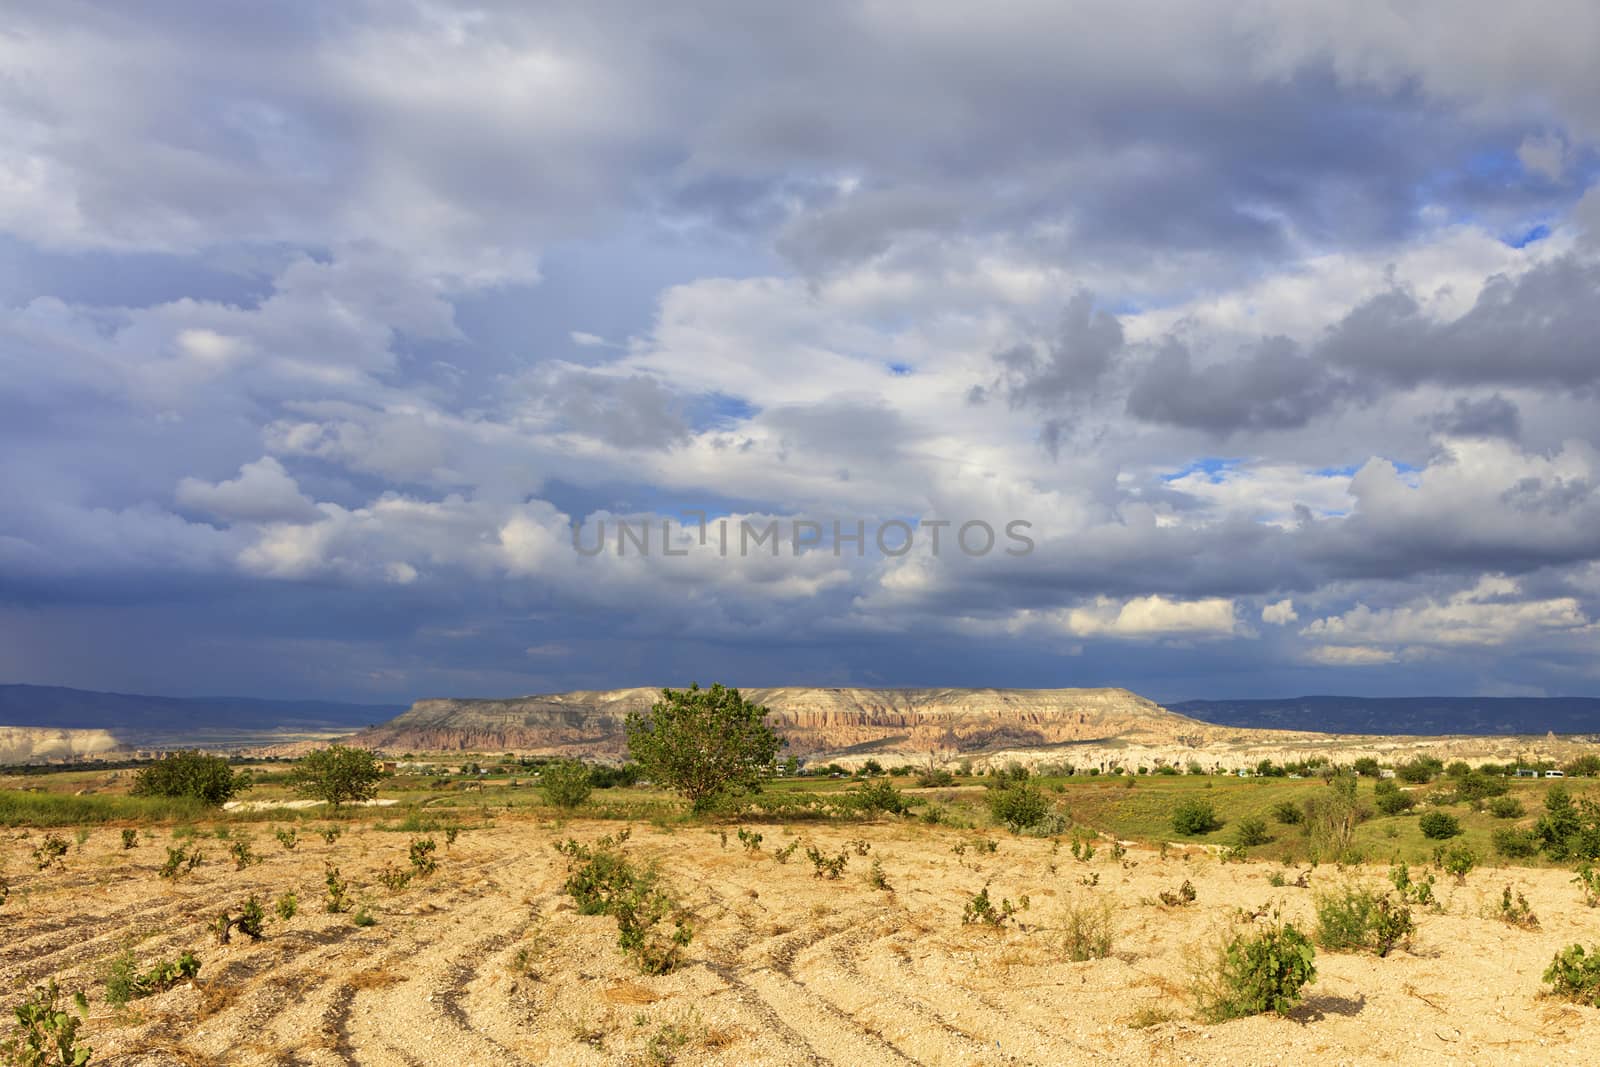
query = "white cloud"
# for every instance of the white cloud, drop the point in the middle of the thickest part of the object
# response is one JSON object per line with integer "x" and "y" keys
{"x": 1281, "y": 613}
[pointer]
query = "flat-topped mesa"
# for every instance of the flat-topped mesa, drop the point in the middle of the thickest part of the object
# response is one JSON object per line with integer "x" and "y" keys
{"x": 906, "y": 721}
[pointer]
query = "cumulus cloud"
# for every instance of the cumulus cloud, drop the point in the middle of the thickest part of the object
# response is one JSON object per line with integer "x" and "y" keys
{"x": 1302, "y": 309}
{"x": 263, "y": 492}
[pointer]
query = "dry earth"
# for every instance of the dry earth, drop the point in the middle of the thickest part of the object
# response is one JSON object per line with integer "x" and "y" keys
{"x": 785, "y": 968}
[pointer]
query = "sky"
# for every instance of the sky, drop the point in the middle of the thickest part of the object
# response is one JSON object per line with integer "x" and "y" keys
{"x": 1276, "y": 324}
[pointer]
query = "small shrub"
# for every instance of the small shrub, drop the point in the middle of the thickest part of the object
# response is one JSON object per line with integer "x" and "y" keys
{"x": 1391, "y": 800}
{"x": 393, "y": 877}
{"x": 782, "y": 855}
{"x": 364, "y": 917}
{"x": 288, "y": 837}
{"x": 1439, "y": 826}
{"x": 1251, "y": 832}
{"x": 1083, "y": 848}
{"x": 1506, "y": 808}
{"x": 1514, "y": 842}
{"x": 287, "y": 905}
{"x": 251, "y": 921}
{"x": 1575, "y": 975}
{"x": 565, "y": 784}
{"x": 750, "y": 839}
{"x": 1413, "y": 891}
{"x": 1018, "y": 806}
{"x": 1353, "y": 920}
{"x": 330, "y": 834}
{"x": 880, "y": 796}
{"x": 982, "y": 910}
{"x": 1256, "y": 971}
{"x": 242, "y": 855}
{"x": 1088, "y": 930}
{"x": 125, "y": 983}
{"x": 1458, "y": 860}
{"x": 1588, "y": 880}
{"x": 179, "y": 862}
{"x": 1179, "y": 897}
{"x": 130, "y": 838}
{"x": 49, "y": 851}
{"x": 46, "y": 1033}
{"x": 1514, "y": 911}
{"x": 337, "y": 898}
{"x": 1288, "y": 813}
{"x": 876, "y": 878}
{"x": 824, "y": 866}
{"x": 1277, "y": 880}
{"x": 421, "y": 853}
{"x": 859, "y": 845}
{"x": 1193, "y": 817}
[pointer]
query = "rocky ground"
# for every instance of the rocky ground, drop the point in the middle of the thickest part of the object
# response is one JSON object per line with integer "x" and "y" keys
{"x": 487, "y": 962}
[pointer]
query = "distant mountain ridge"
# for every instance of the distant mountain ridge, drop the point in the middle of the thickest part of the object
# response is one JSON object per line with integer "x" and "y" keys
{"x": 813, "y": 720}
{"x": 140, "y": 721}
{"x": 1418, "y": 716}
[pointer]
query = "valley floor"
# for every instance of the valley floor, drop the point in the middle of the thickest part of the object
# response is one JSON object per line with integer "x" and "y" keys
{"x": 487, "y": 962}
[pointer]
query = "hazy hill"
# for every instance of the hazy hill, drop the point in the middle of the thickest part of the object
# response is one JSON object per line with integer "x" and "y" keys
{"x": 162, "y": 722}
{"x": 1429, "y": 716}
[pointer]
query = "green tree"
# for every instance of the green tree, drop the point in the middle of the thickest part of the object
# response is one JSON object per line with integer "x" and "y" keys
{"x": 704, "y": 743}
{"x": 565, "y": 783}
{"x": 191, "y": 774}
{"x": 337, "y": 774}
{"x": 1195, "y": 816}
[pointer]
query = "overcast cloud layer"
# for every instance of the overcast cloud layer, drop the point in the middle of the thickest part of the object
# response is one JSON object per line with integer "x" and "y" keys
{"x": 321, "y": 324}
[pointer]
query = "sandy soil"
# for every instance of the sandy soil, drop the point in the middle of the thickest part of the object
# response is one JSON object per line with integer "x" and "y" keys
{"x": 487, "y": 963}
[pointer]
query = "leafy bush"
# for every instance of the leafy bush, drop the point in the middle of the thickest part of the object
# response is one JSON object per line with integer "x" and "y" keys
{"x": 208, "y": 779}
{"x": 1088, "y": 930}
{"x": 337, "y": 897}
{"x": 565, "y": 783}
{"x": 876, "y": 878}
{"x": 602, "y": 880}
{"x": 288, "y": 837}
{"x": 393, "y": 877}
{"x": 179, "y": 862}
{"x": 750, "y": 839}
{"x": 1416, "y": 892}
{"x": 330, "y": 834}
{"x": 782, "y": 855}
{"x": 124, "y": 982}
{"x": 1479, "y": 786}
{"x": 1018, "y": 806}
{"x": 1419, "y": 771}
{"x": 1575, "y": 975}
{"x": 1331, "y": 817}
{"x": 1195, "y": 816}
{"x": 982, "y": 910}
{"x": 1179, "y": 897}
{"x": 1588, "y": 880}
{"x": 287, "y": 905}
{"x": 935, "y": 778}
{"x": 1515, "y": 911}
{"x": 421, "y": 854}
{"x": 1256, "y": 971}
{"x": 46, "y": 1034}
{"x": 1506, "y": 808}
{"x": 130, "y": 838}
{"x": 1391, "y": 799}
{"x": 1439, "y": 826}
{"x": 251, "y": 921}
{"x": 825, "y": 866}
{"x": 1353, "y": 920}
{"x": 49, "y": 851}
{"x": 1288, "y": 813}
{"x": 364, "y": 917}
{"x": 242, "y": 855}
{"x": 880, "y": 797}
{"x": 1251, "y": 832}
{"x": 1458, "y": 860}
{"x": 1514, "y": 842}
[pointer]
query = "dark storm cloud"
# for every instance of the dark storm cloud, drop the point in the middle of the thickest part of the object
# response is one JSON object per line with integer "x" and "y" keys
{"x": 1492, "y": 416}
{"x": 1274, "y": 387}
{"x": 1086, "y": 342}
{"x": 1540, "y": 329}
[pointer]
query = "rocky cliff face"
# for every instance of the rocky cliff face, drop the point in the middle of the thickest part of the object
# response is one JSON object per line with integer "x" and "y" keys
{"x": 37, "y": 744}
{"x": 890, "y": 721}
